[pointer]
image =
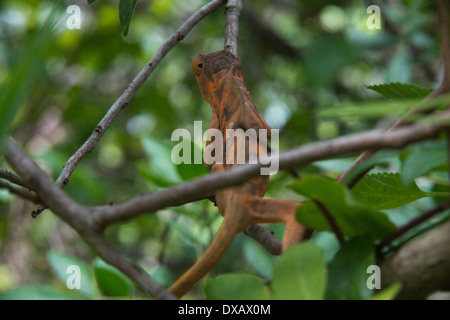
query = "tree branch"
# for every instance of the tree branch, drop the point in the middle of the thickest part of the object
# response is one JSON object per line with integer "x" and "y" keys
{"x": 90, "y": 221}
{"x": 79, "y": 217}
{"x": 232, "y": 10}
{"x": 265, "y": 238}
{"x": 197, "y": 189}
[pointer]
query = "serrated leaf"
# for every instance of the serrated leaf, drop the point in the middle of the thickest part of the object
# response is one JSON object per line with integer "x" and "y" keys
{"x": 347, "y": 281}
{"x": 65, "y": 267}
{"x": 386, "y": 191}
{"x": 397, "y": 91}
{"x": 126, "y": 9}
{"x": 111, "y": 281}
{"x": 300, "y": 273}
{"x": 423, "y": 158}
{"x": 353, "y": 217}
{"x": 378, "y": 158}
{"x": 236, "y": 287}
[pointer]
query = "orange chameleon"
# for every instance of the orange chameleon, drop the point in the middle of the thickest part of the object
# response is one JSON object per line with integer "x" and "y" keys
{"x": 219, "y": 77}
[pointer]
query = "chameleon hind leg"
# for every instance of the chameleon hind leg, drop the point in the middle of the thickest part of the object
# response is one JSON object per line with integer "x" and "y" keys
{"x": 278, "y": 210}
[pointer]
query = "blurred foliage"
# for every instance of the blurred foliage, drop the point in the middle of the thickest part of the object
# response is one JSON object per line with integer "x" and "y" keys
{"x": 304, "y": 62}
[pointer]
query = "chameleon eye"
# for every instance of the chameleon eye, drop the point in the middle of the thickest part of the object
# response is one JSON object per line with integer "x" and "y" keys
{"x": 197, "y": 65}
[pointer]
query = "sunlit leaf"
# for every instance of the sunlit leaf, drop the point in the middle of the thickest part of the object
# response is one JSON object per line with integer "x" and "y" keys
{"x": 387, "y": 191}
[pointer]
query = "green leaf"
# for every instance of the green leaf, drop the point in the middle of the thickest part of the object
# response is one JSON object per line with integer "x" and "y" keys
{"x": 383, "y": 156}
{"x": 126, "y": 9}
{"x": 386, "y": 191}
{"x": 423, "y": 158}
{"x": 62, "y": 265}
{"x": 300, "y": 273}
{"x": 236, "y": 287}
{"x": 38, "y": 292}
{"x": 347, "y": 274}
{"x": 159, "y": 168}
{"x": 353, "y": 217}
{"x": 397, "y": 91}
{"x": 258, "y": 258}
{"x": 91, "y": 1}
{"x": 389, "y": 293}
{"x": 111, "y": 281}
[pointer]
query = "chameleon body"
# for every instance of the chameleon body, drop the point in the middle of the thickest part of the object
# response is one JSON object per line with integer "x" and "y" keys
{"x": 219, "y": 76}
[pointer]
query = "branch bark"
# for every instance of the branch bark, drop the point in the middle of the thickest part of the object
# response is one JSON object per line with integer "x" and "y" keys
{"x": 198, "y": 189}
{"x": 232, "y": 11}
{"x": 79, "y": 217}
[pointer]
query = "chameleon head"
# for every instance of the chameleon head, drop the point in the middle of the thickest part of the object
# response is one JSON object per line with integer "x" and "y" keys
{"x": 207, "y": 67}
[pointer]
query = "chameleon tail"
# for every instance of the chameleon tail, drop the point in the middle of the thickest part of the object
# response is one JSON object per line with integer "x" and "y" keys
{"x": 207, "y": 261}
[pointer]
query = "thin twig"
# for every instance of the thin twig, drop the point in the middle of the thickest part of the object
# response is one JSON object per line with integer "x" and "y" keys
{"x": 333, "y": 224}
{"x": 129, "y": 92}
{"x": 411, "y": 224}
{"x": 21, "y": 192}
{"x": 11, "y": 177}
{"x": 232, "y": 11}
{"x": 265, "y": 238}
